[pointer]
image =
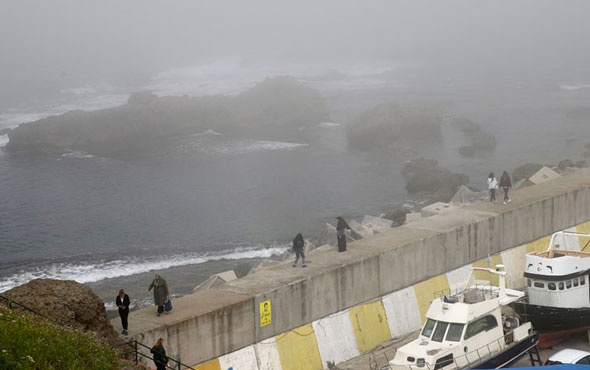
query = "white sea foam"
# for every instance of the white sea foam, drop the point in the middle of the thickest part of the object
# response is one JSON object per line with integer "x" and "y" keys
{"x": 328, "y": 124}
{"x": 77, "y": 154}
{"x": 233, "y": 147}
{"x": 3, "y": 140}
{"x": 208, "y": 132}
{"x": 92, "y": 272}
{"x": 574, "y": 87}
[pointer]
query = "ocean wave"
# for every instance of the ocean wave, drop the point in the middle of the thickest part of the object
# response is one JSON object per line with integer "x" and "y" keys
{"x": 208, "y": 132}
{"x": 233, "y": 147}
{"x": 4, "y": 140}
{"x": 92, "y": 272}
{"x": 328, "y": 124}
{"x": 574, "y": 87}
{"x": 77, "y": 154}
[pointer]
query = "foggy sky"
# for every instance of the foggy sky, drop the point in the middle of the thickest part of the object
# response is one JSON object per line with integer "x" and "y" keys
{"x": 43, "y": 41}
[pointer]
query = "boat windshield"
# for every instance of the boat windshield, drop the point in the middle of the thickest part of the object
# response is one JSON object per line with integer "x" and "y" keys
{"x": 436, "y": 331}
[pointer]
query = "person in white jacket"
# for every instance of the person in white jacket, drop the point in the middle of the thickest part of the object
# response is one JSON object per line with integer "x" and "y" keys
{"x": 492, "y": 186}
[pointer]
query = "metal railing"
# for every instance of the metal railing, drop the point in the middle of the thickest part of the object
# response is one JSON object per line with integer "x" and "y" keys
{"x": 12, "y": 304}
{"x": 134, "y": 349}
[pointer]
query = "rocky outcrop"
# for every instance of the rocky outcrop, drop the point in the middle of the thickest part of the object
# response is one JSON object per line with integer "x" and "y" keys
{"x": 564, "y": 164}
{"x": 148, "y": 124}
{"x": 426, "y": 176}
{"x": 67, "y": 302}
{"x": 479, "y": 139}
{"x": 581, "y": 164}
{"x": 387, "y": 126}
{"x": 525, "y": 171}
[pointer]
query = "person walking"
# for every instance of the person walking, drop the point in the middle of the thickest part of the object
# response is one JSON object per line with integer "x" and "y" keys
{"x": 492, "y": 186}
{"x": 122, "y": 301}
{"x": 298, "y": 245}
{"x": 341, "y": 234}
{"x": 505, "y": 184}
{"x": 160, "y": 292}
{"x": 159, "y": 352}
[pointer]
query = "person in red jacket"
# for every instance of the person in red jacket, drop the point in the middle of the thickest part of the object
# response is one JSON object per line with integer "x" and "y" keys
{"x": 505, "y": 184}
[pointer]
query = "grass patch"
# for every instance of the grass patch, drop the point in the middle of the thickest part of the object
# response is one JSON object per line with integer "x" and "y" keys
{"x": 30, "y": 342}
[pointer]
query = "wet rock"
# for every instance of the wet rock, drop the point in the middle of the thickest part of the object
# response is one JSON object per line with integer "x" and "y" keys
{"x": 466, "y": 126}
{"x": 483, "y": 141}
{"x": 426, "y": 176}
{"x": 467, "y": 151}
{"x": 562, "y": 165}
{"x": 376, "y": 224}
{"x": 68, "y": 302}
{"x": 398, "y": 216}
{"x": 581, "y": 164}
{"x": 525, "y": 171}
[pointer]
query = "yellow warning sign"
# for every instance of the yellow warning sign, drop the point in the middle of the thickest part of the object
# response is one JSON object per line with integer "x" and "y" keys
{"x": 265, "y": 313}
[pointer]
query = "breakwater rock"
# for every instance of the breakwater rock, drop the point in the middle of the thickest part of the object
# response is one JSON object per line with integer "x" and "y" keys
{"x": 150, "y": 124}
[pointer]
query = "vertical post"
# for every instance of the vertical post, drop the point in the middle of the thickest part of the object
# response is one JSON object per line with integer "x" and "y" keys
{"x": 136, "y": 354}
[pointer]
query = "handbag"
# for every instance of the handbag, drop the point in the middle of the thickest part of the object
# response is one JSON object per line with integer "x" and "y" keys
{"x": 168, "y": 305}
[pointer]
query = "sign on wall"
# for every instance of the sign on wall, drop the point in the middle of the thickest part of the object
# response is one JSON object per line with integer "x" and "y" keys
{"x": 265, "y": 313}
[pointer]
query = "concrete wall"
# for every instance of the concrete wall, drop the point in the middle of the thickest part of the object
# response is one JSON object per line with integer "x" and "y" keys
{"x": 369, "y": 281}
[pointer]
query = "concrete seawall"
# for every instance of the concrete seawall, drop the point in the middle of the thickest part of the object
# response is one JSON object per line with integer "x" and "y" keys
{"x": 344, "y": 304}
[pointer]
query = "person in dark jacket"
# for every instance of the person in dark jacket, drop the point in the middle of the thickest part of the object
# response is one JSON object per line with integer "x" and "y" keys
{"x": 160, "y": 292}
{"x": 341, "y": 234}
{"x": 298, "y": 245}
{"x": 122, "y": 301}
{"x": 159, "y": 352}
{"x": 505, "y": 184}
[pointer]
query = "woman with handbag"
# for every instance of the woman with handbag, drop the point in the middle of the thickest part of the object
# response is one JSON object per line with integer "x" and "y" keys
{"x": 160, "y": 292}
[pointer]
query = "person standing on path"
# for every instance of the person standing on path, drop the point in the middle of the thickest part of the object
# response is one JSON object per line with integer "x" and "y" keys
{"x": 492, "y": 186}
{"x": 341, "y": 234}
{"x": 159, "y": 352}
{"x": 160, "y": 292}
{"x": 298, "y": 245}
{"x": 505, "y": 184}
{"x": 122, "y": 301}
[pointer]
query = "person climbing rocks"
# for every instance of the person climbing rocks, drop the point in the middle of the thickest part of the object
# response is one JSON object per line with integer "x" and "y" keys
{"x": 298, "y": 245}
{"x": 492, "y": 186}
{"x": 122, "y": 302}
{"x": 159, "y": 352}
{"x": 505, "y": 184}
{"x": 341, "y": 234}
{"x": 160, "y": 292}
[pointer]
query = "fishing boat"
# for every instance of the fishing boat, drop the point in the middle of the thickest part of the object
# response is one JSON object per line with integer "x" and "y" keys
{"x": 468, "y": 329}
{"x": 558, "y": 289}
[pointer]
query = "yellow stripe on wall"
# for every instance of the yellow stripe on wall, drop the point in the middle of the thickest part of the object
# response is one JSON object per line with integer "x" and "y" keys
{"x": 585, "y": 229}
{"x": 494, "y": 260}
{"x": 538, "y": 245}
{"x": 209, "y": 365}
{"x": 298, "y": 349}
{"x": 370, "y": 325}
{"x": 425, "y": 292}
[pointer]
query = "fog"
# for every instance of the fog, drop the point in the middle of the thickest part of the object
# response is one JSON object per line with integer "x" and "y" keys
{"x": 67, "y": 42}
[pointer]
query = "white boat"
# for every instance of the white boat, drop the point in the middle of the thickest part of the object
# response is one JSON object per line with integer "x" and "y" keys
{"x": 469, "y": 330}
{"x": 558, "y": 286}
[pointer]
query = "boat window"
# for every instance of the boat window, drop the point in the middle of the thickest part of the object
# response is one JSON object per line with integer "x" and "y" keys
{"x": 551, "y": 286}
{"x": 428, "y": 327}
{"x": 443, "y": 361}
{"x": 575, "y": 281}
{"x": 454, "y": 333}
{"x": 528, "y": 282}
{"x": 439, "y": 332}
{"x": 482, "y": 324}
{"x": 561, "y": 286}
{"x": 568, "y": 284}
{"x": 582, "y": 280}
{"x": 538, "y": 284}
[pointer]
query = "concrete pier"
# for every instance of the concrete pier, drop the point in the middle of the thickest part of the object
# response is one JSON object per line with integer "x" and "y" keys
{"x": 373, "y": 280}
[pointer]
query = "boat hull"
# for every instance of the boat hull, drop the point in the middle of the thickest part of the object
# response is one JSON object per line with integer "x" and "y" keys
{"x": 511, "y": 355}
{"x": 546, "y": 318}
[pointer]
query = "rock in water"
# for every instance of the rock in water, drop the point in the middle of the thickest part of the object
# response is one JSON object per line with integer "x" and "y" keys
{"x": 68, "y": 302}
{"x": 467, "y": 151}
{"x": 562, "y": 165}
{"x": 581, "y": 164}
{"x": 426, "y": 176}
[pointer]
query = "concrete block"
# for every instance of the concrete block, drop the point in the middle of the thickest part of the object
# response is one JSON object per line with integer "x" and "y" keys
{"x": 370, "y": 326}
{"x": 268, "y": 355}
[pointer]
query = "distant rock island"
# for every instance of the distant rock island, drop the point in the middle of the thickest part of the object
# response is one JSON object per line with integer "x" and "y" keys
{"x": 148, "y": 123}
{"x": 392, "y": 125}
